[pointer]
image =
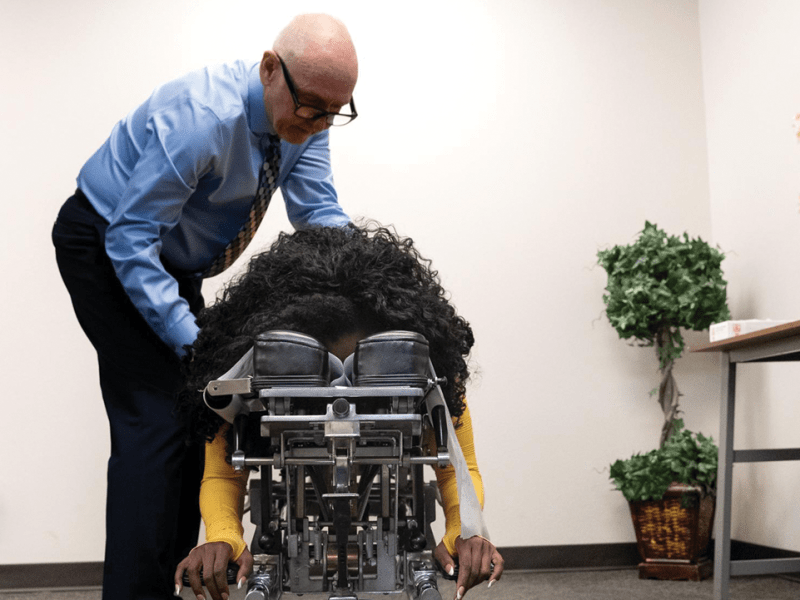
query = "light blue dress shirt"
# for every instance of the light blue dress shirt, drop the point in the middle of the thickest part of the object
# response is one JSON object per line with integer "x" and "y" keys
{"x": 176, "y": 179}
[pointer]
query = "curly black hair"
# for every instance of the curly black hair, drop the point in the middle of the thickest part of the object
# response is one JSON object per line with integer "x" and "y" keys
{"x": 328, "y": 282}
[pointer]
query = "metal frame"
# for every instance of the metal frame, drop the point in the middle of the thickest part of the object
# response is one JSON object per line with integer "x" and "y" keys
{"x": 757, "y": 348}
{"x": 372, "y": 556}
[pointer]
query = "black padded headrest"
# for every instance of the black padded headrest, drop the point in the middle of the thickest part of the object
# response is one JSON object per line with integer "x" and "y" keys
{"x": 392, "y": 358}
{"x": 289, "y": 359}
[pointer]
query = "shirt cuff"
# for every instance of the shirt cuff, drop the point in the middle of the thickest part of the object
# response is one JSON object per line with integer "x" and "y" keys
{"x": 234, "y": 540}
{"x": 183, "y": 334}
{"x": 449, "y": 540}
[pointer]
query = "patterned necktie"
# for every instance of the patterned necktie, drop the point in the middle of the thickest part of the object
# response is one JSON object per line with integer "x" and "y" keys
{"x": 267, "y": 180}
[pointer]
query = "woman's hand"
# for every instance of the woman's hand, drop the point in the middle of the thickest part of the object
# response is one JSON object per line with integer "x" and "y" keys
{"x": 475, "y": 559}
{"x": 213, "y": 557}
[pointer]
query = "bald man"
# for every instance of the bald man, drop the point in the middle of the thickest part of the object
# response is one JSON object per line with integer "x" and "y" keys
{"x": 173, "y": 196}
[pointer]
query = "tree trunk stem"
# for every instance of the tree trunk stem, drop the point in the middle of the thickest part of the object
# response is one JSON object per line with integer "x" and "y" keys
{"x": 668, "y": 393}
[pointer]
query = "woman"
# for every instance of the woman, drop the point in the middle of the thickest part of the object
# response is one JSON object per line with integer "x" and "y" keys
{"x": 339, "y": 286}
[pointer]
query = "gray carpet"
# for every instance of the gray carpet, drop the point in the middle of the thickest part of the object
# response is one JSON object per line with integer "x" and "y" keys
{"x": 519, "y": 585}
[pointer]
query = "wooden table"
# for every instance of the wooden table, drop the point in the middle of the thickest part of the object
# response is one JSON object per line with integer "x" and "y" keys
{"x": 776, "y": 344}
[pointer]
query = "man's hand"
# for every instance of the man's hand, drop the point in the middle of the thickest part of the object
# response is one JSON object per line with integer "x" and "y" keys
{"x": 213, "y": 557}
{"x": 475, "y": 559}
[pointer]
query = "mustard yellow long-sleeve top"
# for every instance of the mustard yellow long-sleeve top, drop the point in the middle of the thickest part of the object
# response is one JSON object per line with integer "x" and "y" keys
{"x": 223, "y": 489}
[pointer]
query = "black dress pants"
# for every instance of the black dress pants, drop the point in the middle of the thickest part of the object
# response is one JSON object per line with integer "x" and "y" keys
{"x": 152, "y": 513}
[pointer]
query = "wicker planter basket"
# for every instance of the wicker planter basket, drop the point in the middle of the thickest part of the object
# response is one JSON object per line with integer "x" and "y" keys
{"x": 673, "y": 534}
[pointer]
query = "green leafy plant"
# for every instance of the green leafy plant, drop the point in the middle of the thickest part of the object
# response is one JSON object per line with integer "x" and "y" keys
{"x": 685, "y": 457}
{"x": 656, "y": 286}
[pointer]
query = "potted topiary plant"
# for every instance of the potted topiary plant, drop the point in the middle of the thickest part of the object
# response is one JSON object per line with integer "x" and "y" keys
{"x": 656, "y": 286}
{"x": 671, "y": 494}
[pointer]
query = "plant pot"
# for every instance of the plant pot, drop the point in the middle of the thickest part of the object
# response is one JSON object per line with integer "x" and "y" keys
{"x": 673, "y": 534}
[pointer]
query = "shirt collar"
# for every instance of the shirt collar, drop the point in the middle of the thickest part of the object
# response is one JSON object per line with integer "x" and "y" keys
{"x": 257, "y": 119}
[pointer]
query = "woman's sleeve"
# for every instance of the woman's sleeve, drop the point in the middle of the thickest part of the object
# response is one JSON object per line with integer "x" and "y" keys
{"x": 222, "y": 496}
{"x": 446, "y": 480}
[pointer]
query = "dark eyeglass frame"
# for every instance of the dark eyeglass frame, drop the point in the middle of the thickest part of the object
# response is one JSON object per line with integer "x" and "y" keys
{"x": 317, "y": 113}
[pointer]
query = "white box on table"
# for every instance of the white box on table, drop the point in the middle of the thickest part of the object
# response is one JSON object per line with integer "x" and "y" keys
{"x": 729, "y": 329}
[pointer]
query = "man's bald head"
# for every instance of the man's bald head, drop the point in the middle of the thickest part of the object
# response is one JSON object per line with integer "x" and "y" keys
{"x": 318, "y": 52}
{"x": 318, "y": 44}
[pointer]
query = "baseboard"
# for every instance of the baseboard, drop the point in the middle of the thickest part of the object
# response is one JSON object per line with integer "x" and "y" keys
{"x": 612, "y": 556}
{"x": 581, "y": 557}
{"x": 51, "y": 575}
{"x": 572, "y": 557}
{"x": 748, "y": 551}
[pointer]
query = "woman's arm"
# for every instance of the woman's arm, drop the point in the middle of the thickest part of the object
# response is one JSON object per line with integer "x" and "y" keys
{"x": 222, "y": 494}
{"x": 446, "y": 481}
{"x": 476, "y": 554}
{"x": 221, "y": 499}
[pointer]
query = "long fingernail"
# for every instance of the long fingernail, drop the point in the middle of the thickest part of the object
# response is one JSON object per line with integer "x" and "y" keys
{"x": 490, "y": 584}
{"x": 451, "y": 571}
{"x": 177, "y": 589}
{"x": 460, "y": 593}
{"x": 241, "y": 583}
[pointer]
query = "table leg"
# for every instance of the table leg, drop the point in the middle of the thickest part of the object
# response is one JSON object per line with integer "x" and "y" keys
{"x": 722, "y": 545}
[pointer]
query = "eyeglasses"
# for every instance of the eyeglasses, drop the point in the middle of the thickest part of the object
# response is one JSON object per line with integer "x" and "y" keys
{"x": 304, "y": 111}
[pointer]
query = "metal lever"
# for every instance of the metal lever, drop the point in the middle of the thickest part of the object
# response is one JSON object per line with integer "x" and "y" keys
{"x": 227, "y": 387}
{"x": 439, "y": 427}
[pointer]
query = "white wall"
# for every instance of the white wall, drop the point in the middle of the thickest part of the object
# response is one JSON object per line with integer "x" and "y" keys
{"x": 752, "y": 93}
{"x": 511, "y": 139}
